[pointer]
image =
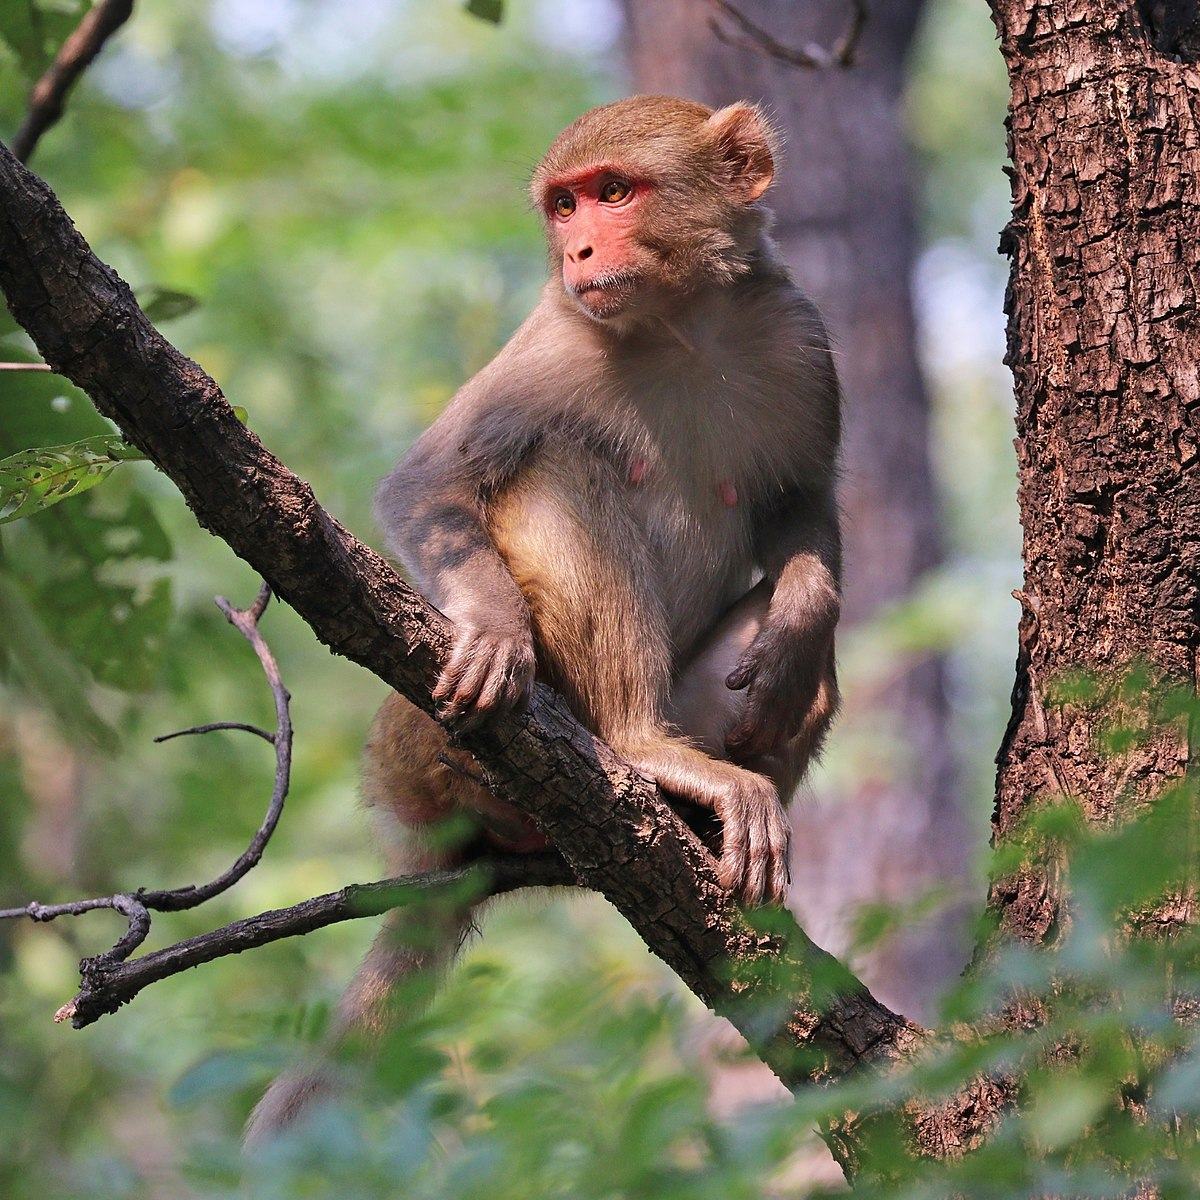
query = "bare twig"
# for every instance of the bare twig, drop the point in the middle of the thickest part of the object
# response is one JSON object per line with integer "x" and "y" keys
{"x": 107, "y": 984}
{"x": 214, "y": 727}
{"x": 99, "y": 23}
{"x": 20, "y": 366}
{"x": 136, "y": 906}
{"x": 809, "y": 58}
{"x": 245, "y": 621}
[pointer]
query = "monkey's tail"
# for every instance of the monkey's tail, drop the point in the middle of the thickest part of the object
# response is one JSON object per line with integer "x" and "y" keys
{"x": 400, "y": 949}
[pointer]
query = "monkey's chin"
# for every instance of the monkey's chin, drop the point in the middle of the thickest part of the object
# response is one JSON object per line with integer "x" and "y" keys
{"x": 605, "y": 300}
{"x": 600, "y": 306}
{"x": 601, "y": 312}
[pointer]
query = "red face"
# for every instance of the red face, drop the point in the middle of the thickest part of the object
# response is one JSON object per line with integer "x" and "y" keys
{"x": 592, "y": 217}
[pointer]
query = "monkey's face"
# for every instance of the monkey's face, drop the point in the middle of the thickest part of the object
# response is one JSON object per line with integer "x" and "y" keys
{"x": 593, "y": 221}
{"x": 648, "y": 200}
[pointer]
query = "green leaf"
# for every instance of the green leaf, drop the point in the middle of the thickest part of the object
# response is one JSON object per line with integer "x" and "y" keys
{"x": 46, "y": 670}
{"x": 34, "y": 479}
{"x": 486, "y": 10}
{"x": 95, "y": 582}
{"x": 163, "y": 304}
{"x": 35, "y": 29}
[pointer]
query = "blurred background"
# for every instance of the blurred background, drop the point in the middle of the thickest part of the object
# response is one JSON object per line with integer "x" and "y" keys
{"x": 341, "y": 190}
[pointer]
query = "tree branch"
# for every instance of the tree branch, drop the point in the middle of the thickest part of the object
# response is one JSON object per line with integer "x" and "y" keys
{"x": 809, "y": 58}
{"x": 107, "y": 983}
{"x": 99, "y": 23}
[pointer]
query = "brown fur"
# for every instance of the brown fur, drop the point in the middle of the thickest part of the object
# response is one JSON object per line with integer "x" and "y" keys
{"x": 598, "y": 504}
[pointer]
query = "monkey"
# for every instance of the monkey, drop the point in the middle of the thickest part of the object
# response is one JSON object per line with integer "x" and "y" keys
{"x": 633, "y": 502}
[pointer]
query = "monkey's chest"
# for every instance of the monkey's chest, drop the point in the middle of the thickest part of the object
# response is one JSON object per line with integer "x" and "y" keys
{"x": 696, "y": 524}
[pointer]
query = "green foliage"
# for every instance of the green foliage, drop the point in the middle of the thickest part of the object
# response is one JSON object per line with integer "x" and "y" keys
{"x": 31, "y": 31}
{"x": 163, "y": 304}
{"x": 33, "y": 480}
{"x": 486, "y": 10}
{"x": 47, "y": 671}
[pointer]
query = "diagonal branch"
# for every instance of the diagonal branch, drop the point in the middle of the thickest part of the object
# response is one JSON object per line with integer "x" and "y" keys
{"x": 611, "y": 825}
{"x": 75, "y": 55}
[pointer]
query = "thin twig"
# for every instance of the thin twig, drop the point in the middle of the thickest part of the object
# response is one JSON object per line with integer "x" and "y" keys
{"x": 99, "y": 23}
{"x": 845, "y": 50}
{"x": 214, "y": 727}
{"x": 106, "y": 985}
{"x": 136, "y": 906}
{"x": 20, "y": 366}
{"x": 809, "y": 58}
{"x": 245, "y": 621}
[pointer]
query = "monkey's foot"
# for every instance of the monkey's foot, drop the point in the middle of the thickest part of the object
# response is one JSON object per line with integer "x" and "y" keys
{"x": 755, "y": 842}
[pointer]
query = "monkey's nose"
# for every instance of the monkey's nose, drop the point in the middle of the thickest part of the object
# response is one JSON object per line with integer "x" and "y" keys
{"x": 579, "y": 255}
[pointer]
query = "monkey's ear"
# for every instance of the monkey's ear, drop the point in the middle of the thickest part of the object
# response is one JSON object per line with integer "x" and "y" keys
{"x": 746, "y": 141}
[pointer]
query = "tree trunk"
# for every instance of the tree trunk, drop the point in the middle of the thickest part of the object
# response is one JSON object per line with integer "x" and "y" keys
{"x": 1103, "y": 340}
{"x": 846, "y": 225}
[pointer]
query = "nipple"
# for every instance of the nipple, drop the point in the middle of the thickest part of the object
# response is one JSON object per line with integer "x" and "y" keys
{"x": 728, "y": 493}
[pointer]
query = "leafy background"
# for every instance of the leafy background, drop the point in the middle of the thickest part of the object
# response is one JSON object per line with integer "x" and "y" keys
{"x": 340, "y": 190}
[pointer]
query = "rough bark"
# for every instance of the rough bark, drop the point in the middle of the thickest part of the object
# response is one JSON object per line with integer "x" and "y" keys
{"x": 1104, "y": 342}
{"x": 846, "y": 223}
{"x": 610, "y": 824}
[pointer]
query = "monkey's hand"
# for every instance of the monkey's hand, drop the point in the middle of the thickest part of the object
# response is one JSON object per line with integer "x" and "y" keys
{"x": 783, "y": 672}
{"x": 489, "y": 672}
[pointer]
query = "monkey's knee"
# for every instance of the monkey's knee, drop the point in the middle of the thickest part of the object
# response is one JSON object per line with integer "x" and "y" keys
{"x": 404, "y": 769}
{"x": 415, "y": 777}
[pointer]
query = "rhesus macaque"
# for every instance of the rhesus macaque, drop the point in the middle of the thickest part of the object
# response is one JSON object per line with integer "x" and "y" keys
{"x": 634, "y": 502}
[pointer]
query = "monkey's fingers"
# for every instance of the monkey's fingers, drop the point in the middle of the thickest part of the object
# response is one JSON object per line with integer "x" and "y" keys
{"x": 766, "y": 866}
{"x": 742, "y": 675}
{"x": 762, "y": 728}
{"x": 754, "y": 842}
{"x": 506, "y": 686}
{"x": 761, "y": 650}
{"x": 447, "y": 686}
{"x": 731, "y": 870}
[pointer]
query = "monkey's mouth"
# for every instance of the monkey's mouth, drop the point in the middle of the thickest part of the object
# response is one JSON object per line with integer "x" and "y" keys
{"x": 601, "y": 291}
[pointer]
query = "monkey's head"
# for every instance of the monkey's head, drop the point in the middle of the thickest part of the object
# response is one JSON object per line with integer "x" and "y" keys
{"x": 652, "y": 198}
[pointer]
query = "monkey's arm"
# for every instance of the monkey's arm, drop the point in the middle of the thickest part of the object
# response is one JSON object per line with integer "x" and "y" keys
{"x": 799, "y": 550}
{"x": 433, "y": 508}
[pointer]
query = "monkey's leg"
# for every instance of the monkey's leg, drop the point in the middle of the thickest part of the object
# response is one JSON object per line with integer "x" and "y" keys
{"x": 583, "y": 565}
{"x": 415, "y": 782}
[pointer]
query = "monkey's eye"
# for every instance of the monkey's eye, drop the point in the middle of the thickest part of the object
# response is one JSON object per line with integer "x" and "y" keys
{"x": 564, "y": 205}
{"x": 614, "y": 191}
